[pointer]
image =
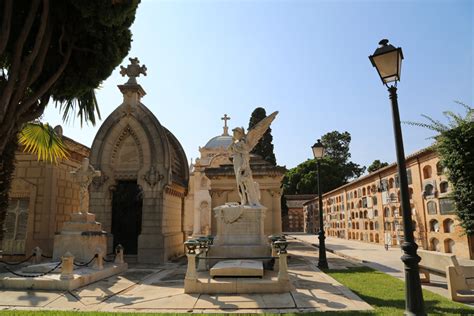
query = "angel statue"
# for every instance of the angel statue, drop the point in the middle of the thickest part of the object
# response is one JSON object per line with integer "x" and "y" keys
{"x": 242, "y": 145}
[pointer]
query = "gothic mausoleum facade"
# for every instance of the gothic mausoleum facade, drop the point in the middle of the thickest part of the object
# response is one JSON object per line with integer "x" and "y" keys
{"x": 139, "y": 198}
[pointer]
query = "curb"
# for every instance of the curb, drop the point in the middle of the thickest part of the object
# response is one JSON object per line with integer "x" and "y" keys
{"x": 340, "y": 254}
{"x": 336, "y": 252}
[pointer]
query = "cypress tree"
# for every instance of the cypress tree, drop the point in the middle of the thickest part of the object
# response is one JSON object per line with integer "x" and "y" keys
{"x": 264, "y": 148}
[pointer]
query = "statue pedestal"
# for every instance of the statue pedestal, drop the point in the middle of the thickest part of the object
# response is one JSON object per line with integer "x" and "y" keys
{"x": 240, "y": 231}
{"x": 81, "y": 237}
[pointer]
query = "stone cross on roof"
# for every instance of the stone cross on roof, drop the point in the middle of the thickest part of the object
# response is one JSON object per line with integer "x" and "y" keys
{"x": 226, "y": 129}
{"x": 133, "y": 70}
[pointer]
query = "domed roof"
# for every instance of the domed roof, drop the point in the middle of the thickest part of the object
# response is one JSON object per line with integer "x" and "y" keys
{"x": 219, "y": 141}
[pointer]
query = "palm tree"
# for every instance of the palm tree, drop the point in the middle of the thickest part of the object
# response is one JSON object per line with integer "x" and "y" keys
{"x": 42, "y": 140}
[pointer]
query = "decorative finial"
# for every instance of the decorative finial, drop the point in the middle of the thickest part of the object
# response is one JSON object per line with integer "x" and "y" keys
{"x": 383, "y": 42}
{"x": 133, "y": 70}
{"x": 226, "y": 128}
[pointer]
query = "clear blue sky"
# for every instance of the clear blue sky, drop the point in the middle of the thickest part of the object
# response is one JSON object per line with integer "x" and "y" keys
{"x": 306, "y": 59}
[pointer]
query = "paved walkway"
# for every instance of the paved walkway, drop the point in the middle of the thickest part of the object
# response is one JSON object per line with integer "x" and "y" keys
{"x": 160, "y": 289}
{"x": 376, "y": 257}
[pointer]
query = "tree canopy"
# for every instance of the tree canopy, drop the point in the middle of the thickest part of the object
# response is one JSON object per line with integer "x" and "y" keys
{"x": 336, "y": 168}
{"x": 60, "y": 50}
{"x": 264, "y": 147}
{"x": 376, "y": 165}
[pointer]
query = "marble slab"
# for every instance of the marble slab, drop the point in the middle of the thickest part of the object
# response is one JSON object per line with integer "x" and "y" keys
{"x": 237, "y": 268}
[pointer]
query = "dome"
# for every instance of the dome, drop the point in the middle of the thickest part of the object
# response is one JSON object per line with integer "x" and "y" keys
{"x": 219, "y": 141}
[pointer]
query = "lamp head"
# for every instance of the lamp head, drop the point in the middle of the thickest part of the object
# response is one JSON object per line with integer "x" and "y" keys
{"x": 318, "y": 150}
{"x": 388, "y": 61}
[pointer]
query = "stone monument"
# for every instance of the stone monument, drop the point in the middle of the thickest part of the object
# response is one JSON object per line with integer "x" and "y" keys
{"x": 240, "y": 227}
{"x": 82, "y": 235}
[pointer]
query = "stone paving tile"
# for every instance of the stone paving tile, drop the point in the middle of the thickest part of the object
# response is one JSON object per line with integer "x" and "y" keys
{"x": 229, "y": 301}
{"x": 66, "y": 301}
{"x": 161, "y": 289}
{"x": 178, "y": 302}
{"x": 27, "y": 298}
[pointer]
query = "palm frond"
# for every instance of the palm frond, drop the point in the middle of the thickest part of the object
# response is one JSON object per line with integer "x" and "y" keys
{"x": 437, "y": 125}
{"x": 464, "y": 105}
{"x": 41, "y": 139}
{"x": 85, "y": 107}
{"x": 454, "y": 119}
{"x": 424, "y": 125}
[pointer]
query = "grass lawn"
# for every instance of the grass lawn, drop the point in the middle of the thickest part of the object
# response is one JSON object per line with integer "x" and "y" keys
{"x": 385, "y": 293}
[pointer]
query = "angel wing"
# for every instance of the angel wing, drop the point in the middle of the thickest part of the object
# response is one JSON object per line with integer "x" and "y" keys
{"x": 256, "y": 132}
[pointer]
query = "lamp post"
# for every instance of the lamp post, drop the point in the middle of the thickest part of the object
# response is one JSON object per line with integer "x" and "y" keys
{"x": 388, "y": 61}
{"x": 318, "y": 152}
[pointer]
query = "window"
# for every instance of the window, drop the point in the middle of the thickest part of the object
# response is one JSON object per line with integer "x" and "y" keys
{"x": 448, "y": 225}
{"x": 443, "y": 187}
{"x": 397, "y": 181}
{"x": 439, "y": 168}
{"x": 374, "y": 200}
{"x": 391, "y": 183}
{"x": 446, "y": 206}
{"x": 376, "y": 213}
{"x": 363, "y": 191}
{"x": 427, "y": 172}
{"x": 410, "y": 181}
{"x": 434, "y": 245}
{"x": 449, "y": 245}
{"x": 15, "y": 226}
{"x": 429, "y": 190}
{"x": 364, "y": 202}
{"x": 434, "y": 226}
{"x": 376, "y": 225}
{"x": 386, "y": 212}
{"x": 431, "y": 205}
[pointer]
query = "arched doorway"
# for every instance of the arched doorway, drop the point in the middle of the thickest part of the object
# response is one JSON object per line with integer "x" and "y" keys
{"x": 127, "y": 201}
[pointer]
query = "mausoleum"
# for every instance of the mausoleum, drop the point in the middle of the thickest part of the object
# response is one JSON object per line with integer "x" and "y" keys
{"x": 139, "y": 196}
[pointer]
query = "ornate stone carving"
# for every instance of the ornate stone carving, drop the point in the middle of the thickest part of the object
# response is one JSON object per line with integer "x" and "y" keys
{"x": 152, "y": 177}
{"x": 84, "y": 176}
{"x": 133, "y": 70}
{"x": 97, "y": 182}
{"x": 240, "y": 150}
{"x": 127, "y": 131}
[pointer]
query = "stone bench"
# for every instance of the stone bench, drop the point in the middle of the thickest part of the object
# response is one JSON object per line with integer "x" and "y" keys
{"x": 460, "y": 279}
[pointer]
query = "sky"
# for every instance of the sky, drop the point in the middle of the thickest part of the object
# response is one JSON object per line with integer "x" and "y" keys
{"x": 306, "y": 59}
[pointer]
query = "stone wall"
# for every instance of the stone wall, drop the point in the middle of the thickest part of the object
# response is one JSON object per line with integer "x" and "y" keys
{"x": 42, "y": 197}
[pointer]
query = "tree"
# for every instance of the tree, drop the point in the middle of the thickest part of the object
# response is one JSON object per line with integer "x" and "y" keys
{"x": 264, "y": 147}
{"x": 336, "y": 168}
{"x": 58, "y": 50}
{"x": 454, "y": 144}
{"x": 376, "y": 165}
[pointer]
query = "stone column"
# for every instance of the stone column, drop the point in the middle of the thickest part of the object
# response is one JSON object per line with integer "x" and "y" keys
{"x": 283, "y": 267}
{"x": 191, "y": 273}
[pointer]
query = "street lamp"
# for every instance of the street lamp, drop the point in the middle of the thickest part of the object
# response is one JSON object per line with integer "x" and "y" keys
{"x": 388, "y": 61}
{"x": 318, "y": 152}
